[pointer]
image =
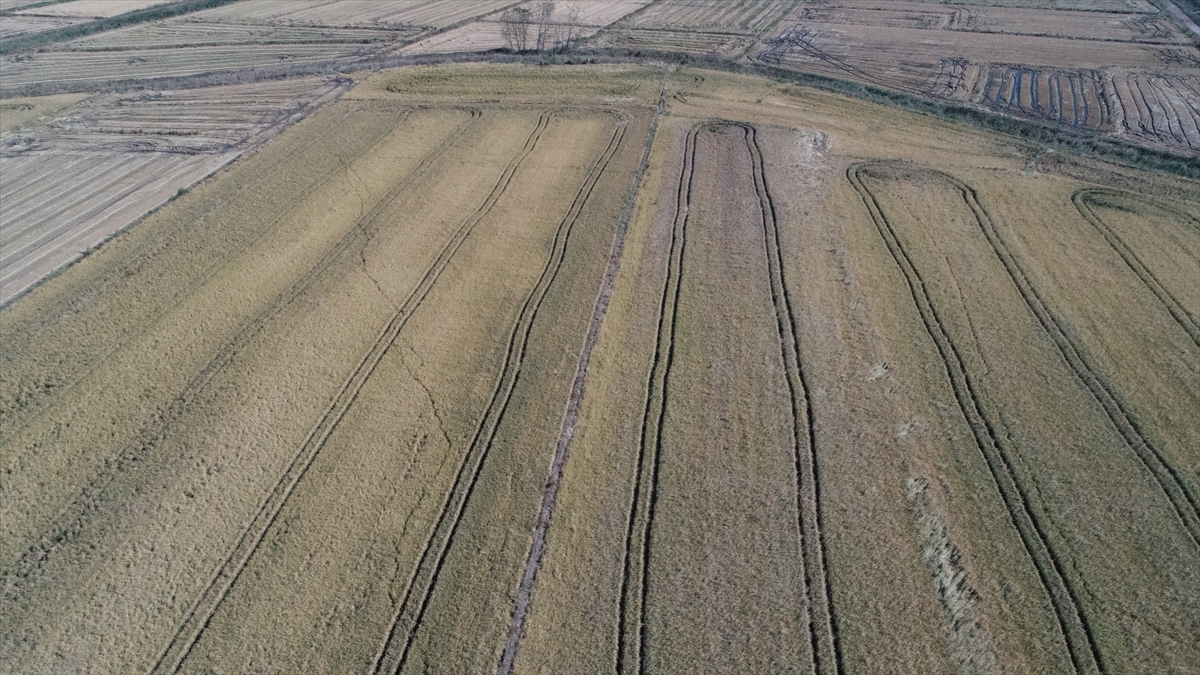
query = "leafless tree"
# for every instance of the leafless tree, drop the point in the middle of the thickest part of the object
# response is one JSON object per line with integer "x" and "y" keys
{"x": 545, "y": 29}
{"x": 570, "y": 29}
{"x": 514, "y": 26}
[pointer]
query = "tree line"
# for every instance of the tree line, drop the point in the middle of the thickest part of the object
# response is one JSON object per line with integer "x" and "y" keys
{"x": 518, "y": 25}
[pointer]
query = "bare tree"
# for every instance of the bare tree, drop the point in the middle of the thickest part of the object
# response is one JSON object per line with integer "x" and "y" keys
{"x": 568, "y": 31}
{"x": 545, "y": 38}
{"x": 514, "y": 26}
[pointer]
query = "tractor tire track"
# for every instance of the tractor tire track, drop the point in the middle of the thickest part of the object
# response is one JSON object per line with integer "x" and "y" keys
{"x": 631, "y": 630}
{"x": 825, "y": 646}
{"x": 1083, "y": 201}
{"x": 823, "y": 625}
{"x": 1173, "y": 486}
{"x": 202, "y": 610}
{"x": 1168, "y": 478}
{"x": 87, "y": 501}
{"x": 1076, "y": 632}
{"x": 410, "y": 612}
{"x": 524, "y": 595}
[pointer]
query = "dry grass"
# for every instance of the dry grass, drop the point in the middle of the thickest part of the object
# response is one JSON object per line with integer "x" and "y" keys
{"x": 435, "y": 13}
{"x": 16, "y": 113}
{"x": 92, "y": 8}
{"x": 886, "y": 397}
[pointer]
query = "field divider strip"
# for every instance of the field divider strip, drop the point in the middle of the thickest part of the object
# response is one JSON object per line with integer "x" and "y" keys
{"x": 410, "y": 611}
{"x": 223, "y": 579}
{"x": 1186, "y": 321}
{"x": 1173, "y": 486}
{"x": 1077, "y": 635}
{"x": 84, "y": 501}
{"x": 823, "y": 626}
{"x": 533, "y": 563}
{"x": 631, "y": 631}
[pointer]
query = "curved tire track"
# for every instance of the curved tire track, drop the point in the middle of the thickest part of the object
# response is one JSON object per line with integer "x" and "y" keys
{"x": 202, "y": 610}
{"x": 1084, "y": 200}
{"x": 822, "y": 622}
{"x": 1076, "y": 632}
{"x": 410, "y": 611}
{"x": 823, "y": 627}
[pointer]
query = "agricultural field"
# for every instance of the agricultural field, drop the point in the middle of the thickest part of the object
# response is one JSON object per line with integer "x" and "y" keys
{"x": 15, "y": 25}
{"x": 67, "y": 68}
{"x": 1083, "y": 67}
{"x": 584, "y": 18}
{"x": 611, "y": 368}
{"x": 344, "y": 13}
{"x": 75, "y": 170}
{"x": 90, "y": 9}
{"x": 701, "y": 26}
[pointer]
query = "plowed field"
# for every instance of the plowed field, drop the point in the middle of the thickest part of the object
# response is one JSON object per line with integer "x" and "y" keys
{"x": 614, "y": 369}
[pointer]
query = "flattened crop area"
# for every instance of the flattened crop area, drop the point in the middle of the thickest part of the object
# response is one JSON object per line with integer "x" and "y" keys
{"x": 611, "y": 369}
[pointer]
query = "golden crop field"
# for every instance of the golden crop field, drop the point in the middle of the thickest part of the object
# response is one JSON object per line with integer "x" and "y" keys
{"x": 615, "y": 368}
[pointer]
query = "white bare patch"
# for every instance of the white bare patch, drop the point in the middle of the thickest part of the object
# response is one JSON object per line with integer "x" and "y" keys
{"x": 878, "y": 371}
{"x": 970, "y": 646}
{"x": 905, "y": 428}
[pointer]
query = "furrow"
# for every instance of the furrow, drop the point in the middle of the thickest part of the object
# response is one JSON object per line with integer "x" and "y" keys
{"x": 1076, "y": 633}
{"x": 410, "y": 611}
{"x": 226, "y": 575}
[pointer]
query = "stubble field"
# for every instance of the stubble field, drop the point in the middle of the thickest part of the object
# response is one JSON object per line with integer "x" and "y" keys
{"x": 614, "y": 369}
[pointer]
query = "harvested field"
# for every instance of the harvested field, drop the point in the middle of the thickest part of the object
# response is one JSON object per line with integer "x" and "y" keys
{"x": 697, "y": 26}
{"x": 57, "y": 209}
{"x": 92, "y": 9}
{"x": 1061, "y": 23}
{"x": 21, "y": 112}
{"x": 185, "y": 32}
{"x": 608, "y": 369}
{"x": 1076, "y": 99}
{"x": 12, "y": 26}
{"x": 345, "y": 13}
{"x": 473, "y": 37}
{"x": 743, "y": 17}
{"x": 1073, "y": 66}
{"x": 68, "y": 67}
{"x": 1159, "y": 109}
{"x": 70, "y": 182}
{"x": 10, "y": 5}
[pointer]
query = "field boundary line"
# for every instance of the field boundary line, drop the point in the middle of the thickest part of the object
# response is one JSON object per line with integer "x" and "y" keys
{"x": 823, "y": 625}
{"x": 410, "y": 611}
{"x": 253, "y": 533}
{"x": 631, "y": 630}
{"x": 1082, "y": 200}
{"x": 1077, "y": 634}
{"x": 83, "y": 502}
{"x": 533, "y": 563}
{"x": 1172, "y": 485}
